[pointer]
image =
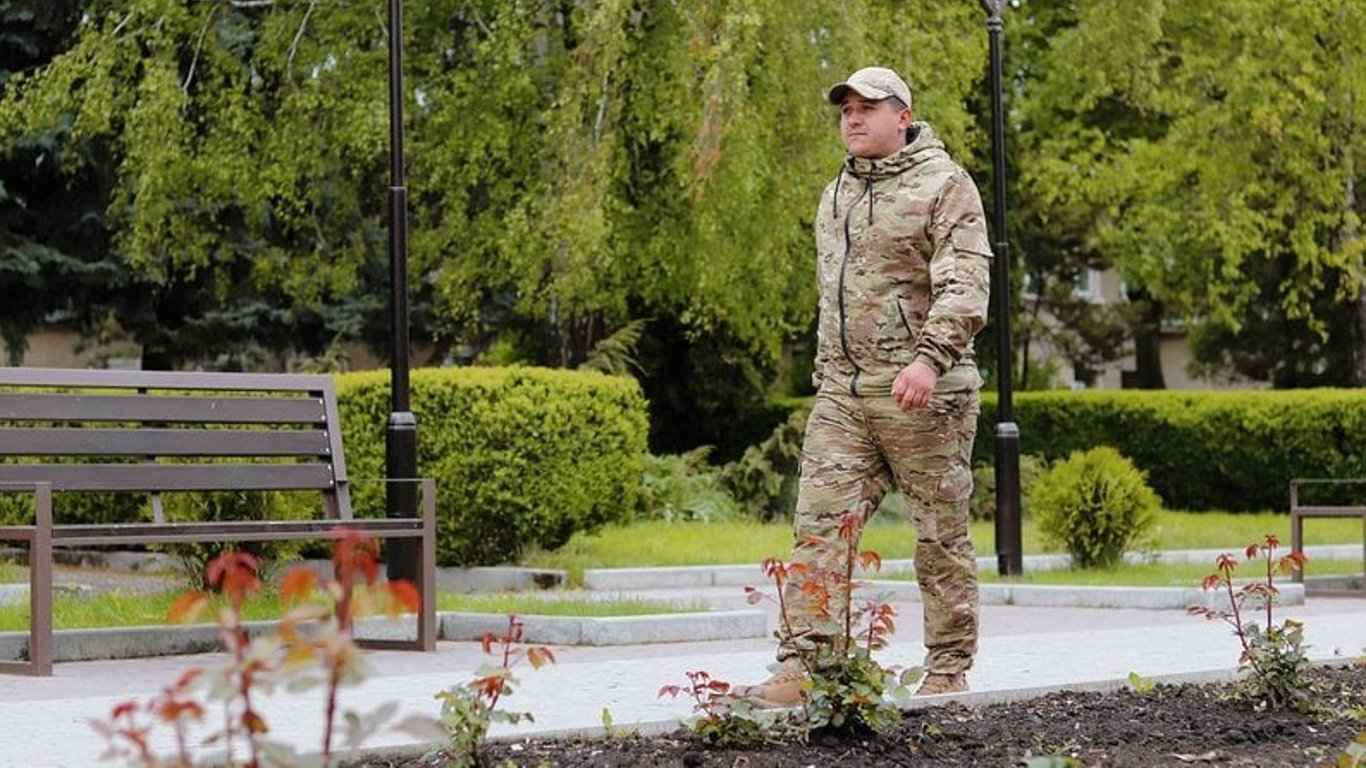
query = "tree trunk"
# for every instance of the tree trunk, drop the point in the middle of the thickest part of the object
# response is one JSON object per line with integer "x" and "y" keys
{"x": 1358, "y": 353}
{"x": 1147, "y": 344}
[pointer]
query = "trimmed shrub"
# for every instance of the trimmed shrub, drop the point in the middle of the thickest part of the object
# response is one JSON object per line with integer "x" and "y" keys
{"x": 1201, "y": 450}
{"x": 521, "y": 456}
{"x": 1095, "y": 504}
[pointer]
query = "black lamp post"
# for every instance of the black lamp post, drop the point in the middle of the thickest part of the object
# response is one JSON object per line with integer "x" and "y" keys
{"x": 1009, "y": 560}
{"x": 400, "y": 437}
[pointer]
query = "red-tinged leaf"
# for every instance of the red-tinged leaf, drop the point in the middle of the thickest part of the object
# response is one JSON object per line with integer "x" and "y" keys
{"x": 1212, "y": 581}
{"x": 720, "y": 686}
{"x": 171, "y": 711}
{"x": 187, "y": 677}
{"x": 404, "y": 596}
{"x": 254, "y": 723}
{"x": 188, "y": 608}
{"x": 123, "y": 709}
{"x": 539, "y": 656}
{"x": 1225, "y": 562}
{"x": 1251, "y": 551}
{"x": 773, "y": 568}
{"x": 489, "y": 686}
{"x": 754, "y": 597}
{"x": 298, "y": 585}
{"x": 870, "y": 560}
{"x": 1272, "y": 541}
{"x": 669, "y": 690}
{"x": 368, "y": 565}
{"x": 850, "y": 524}
{"x": 487, "y": 642}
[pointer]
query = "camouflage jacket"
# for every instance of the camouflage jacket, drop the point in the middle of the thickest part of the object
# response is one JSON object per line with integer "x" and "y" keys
{"x": 904, "y": 270}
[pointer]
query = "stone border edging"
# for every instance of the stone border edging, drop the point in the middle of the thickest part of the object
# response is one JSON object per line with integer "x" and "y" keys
{"x": 139, "y": 642}
{"x": 1074, "y": 596}
{"x": 686, "y": 576}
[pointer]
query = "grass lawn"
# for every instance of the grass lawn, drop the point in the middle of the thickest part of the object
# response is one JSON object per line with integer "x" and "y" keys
{"x": 530, "y": 604}
{"x": 669, "y": 544}
{"x": 122, "y": 609}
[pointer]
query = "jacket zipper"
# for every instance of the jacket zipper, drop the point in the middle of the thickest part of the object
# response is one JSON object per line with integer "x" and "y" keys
{"x": 844, "y": 266}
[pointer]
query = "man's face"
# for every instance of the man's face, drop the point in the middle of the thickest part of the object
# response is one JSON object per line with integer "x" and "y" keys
{"x": 872, "y": 129}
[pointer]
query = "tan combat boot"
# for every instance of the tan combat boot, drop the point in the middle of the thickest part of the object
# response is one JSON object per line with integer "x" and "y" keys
{"x": 785, "y": 688}
{"x": 943, "y": 682}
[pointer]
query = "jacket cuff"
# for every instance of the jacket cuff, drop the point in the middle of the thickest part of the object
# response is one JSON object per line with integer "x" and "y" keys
{"x": 932, "y": 361}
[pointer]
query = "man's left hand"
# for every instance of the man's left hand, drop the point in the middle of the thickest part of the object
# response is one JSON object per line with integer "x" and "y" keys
{"x": 914, "y": 386}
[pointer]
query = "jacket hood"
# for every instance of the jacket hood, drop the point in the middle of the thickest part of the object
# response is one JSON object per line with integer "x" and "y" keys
{"x": 923, "y": 146}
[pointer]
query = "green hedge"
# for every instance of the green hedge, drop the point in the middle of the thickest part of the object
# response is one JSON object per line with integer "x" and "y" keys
{"x": 1201, "y": 450}
{"x": 521, "y": 456}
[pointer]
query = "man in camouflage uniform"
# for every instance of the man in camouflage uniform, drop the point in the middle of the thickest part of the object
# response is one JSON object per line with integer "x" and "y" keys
{"x": 903, "y": 258}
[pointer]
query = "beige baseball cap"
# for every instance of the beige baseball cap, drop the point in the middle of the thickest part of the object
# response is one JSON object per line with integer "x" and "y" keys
{"x": 871, "y": 83}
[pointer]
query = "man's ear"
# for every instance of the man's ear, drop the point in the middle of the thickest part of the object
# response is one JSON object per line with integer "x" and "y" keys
{"x": 905, "y": 119}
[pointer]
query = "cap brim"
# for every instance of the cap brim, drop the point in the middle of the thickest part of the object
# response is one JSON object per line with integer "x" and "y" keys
{"x": 838, "y": 91}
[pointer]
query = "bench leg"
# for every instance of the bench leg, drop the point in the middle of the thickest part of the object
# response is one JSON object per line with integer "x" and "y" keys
{"x": 1296, "y": 543}
{"x": 426, "y": 620}
{"x": 40, "y": 586}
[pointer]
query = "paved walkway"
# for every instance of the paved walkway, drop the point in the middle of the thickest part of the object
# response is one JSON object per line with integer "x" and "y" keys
{"x": 1024, "y": 651}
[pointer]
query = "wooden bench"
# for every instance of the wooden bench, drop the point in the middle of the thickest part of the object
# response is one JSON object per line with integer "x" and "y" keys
{"x": 1300, "y": 511}
{"x": 66, "y": 430}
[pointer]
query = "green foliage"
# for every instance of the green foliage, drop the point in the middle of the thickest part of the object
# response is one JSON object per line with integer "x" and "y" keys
{"x": 1201, "y": 450}
{"x": 521, "y": 456}
{"x": 311, "y": 648}
{"x": 1160, "y": 137}
{"x": 1140, "y": 685}
{"x": 1354, "y": 754}
{"x": 764, "y": 479}
{"x": 723, "y": 720}
{"x": 982, "y": 504}
{"x": 683, "y": 488}
{"x": 193, "y": 558}
{"x": 847, "y": 689}
{"x": 467, "y": 710}
{"x": 584, "y": 164}
{"x": 616, "y": 354}
{"x": 1095, "y": 504}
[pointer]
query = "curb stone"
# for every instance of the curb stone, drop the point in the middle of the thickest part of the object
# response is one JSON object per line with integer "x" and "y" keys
{"x": 139, "y": 642}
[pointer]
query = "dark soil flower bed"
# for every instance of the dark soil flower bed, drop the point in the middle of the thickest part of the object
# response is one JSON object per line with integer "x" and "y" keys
{"x": 1168, "y": 726}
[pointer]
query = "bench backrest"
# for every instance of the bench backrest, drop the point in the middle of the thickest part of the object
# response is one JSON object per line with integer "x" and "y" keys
{"x": 160, "y": 431}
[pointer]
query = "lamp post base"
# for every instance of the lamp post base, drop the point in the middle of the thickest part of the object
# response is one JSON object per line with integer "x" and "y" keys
{"x": 400, "y": 448}
{"x": 1009, "y": 559}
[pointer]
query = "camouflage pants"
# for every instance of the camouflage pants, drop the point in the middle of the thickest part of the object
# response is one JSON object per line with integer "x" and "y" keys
{"x": 854, "y": 450}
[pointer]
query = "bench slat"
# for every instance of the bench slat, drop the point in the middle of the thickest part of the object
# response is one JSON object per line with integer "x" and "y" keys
{"x": 26, "y": 406}
{"x": 49, "y": 441}
{"x": 1328, "y": 511}
{"x": 171, "y": 477}
{"x": 275, "y": 530}
{"x": 107, "y": 379}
